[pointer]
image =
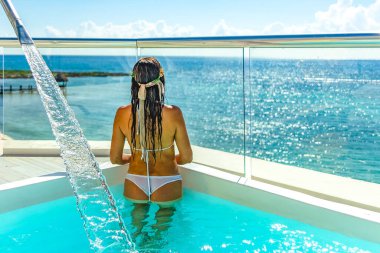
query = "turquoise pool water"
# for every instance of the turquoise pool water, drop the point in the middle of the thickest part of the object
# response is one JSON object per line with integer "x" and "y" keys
{"x": 199, "y": 223}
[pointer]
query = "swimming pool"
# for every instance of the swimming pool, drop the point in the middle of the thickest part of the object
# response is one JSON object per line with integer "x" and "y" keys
{"x": 198, "y": 223}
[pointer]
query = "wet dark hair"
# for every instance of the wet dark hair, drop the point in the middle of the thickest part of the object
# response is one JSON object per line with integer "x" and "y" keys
{"x": 146, "y": 70}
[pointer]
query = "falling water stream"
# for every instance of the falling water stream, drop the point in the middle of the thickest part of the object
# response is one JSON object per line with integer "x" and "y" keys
{"x": 104, "y": 226}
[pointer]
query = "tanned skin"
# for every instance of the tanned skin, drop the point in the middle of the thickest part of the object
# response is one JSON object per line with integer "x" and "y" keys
{"x": 173, "y": 130}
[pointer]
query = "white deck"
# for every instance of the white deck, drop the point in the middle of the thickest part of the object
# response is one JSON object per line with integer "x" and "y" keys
{"x": 14, "y": 168}
{"x": 28, "y": 159}
{"x": 23, "y": 159}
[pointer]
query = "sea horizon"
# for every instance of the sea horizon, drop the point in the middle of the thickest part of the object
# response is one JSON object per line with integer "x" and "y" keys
{"x": 317, "y": 114}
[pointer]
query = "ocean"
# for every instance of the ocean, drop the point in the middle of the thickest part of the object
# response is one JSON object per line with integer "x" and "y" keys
{"x": 317, "y": 114}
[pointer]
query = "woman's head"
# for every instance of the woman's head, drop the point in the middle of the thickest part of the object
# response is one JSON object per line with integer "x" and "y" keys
{"x": 147, "y": 92}
{"x": 147, "y": 69}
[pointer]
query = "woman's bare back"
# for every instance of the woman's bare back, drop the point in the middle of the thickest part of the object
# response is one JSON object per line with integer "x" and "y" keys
{"x": 165, "y": 164}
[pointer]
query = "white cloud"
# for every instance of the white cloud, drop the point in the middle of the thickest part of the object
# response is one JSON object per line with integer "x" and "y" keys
{"x": 223, "y": 29}
{"x": 344, "y": 16}
{"x": 340, "y": 17}
{"x": 140, "y": 28}
{"x": 52, "y": 31}
{"x": 143, "y": 29}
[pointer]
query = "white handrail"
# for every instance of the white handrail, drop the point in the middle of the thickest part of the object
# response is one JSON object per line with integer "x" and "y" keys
{"x": 346, "y": 40}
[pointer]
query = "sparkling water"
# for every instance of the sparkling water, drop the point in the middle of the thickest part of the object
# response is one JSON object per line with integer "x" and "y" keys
{"x": 103, "y": 224}
{"x": 316, "y": 114}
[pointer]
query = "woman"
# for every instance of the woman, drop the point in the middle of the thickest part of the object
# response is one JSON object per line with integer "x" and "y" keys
{"x": 151, "y": 127}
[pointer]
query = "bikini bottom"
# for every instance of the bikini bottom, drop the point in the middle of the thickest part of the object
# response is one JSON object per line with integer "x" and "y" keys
{"x": 155, "y": 182}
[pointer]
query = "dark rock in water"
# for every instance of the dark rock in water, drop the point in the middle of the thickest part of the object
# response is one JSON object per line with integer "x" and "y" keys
{"x": 61, "y": 78}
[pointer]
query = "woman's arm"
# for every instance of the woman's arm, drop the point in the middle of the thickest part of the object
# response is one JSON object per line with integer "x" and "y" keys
{"x": 182, "y": 140}
{"x": 118, "y": 140}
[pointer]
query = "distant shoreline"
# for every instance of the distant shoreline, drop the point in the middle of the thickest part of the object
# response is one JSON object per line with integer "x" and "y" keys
{"x": 22, "y": 74}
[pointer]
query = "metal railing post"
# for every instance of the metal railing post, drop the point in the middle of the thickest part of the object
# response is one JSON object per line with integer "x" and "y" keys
{"x": 247, "y": 113}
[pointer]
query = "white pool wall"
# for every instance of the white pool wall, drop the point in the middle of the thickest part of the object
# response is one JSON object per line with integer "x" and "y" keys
{"x": 339, "y": 204}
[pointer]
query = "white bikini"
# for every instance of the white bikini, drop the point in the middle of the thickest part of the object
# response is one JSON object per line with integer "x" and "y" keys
{"x": 155, "y": 183}
{"x": 149, "y": 184}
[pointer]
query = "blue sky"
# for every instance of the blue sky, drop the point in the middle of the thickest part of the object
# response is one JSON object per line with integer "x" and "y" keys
{"x": 150, "y": 18}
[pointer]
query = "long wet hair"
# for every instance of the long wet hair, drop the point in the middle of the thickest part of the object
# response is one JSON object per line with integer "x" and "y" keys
{"x": 146, "y": 70}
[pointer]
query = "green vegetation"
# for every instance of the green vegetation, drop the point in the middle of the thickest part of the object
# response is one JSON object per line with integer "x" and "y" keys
{"x": 14, "y": 74}
{"x": 17, "y": 74}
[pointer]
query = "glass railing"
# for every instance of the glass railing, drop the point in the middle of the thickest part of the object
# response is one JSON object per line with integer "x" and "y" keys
{"x": 95, "y": 84}
{"x": 1, "y": 101}
{"x": 318, "y": 109}
{"x": 207, "y": 84}
{"x": 301, "y": 101}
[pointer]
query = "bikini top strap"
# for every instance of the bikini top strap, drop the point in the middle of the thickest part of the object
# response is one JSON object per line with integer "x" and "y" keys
{"x": 165, "y": 148}
{"x": 149, "y": 150}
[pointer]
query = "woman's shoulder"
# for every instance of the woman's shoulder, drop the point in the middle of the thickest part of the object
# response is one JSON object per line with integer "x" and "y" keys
{"x": 173, "y": 109}
{"x": 123, "y": 110}
{"x": 173, "y": 112}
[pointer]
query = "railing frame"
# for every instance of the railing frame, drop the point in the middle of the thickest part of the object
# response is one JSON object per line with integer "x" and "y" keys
{"x": 300, "y": 41}
{"x": 246, "y": 43}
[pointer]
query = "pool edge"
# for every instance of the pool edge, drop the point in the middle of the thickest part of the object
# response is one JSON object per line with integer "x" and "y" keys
{"x": 342, "y": 218}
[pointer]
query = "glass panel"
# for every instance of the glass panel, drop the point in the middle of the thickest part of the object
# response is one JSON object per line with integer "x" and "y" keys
{"x": 1, "y": 102}
{"x": 207, "y": 84}
{"x": 23, "y": 108}
{"x": 94, "y": 81}
{"x": 317, "y": 109}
